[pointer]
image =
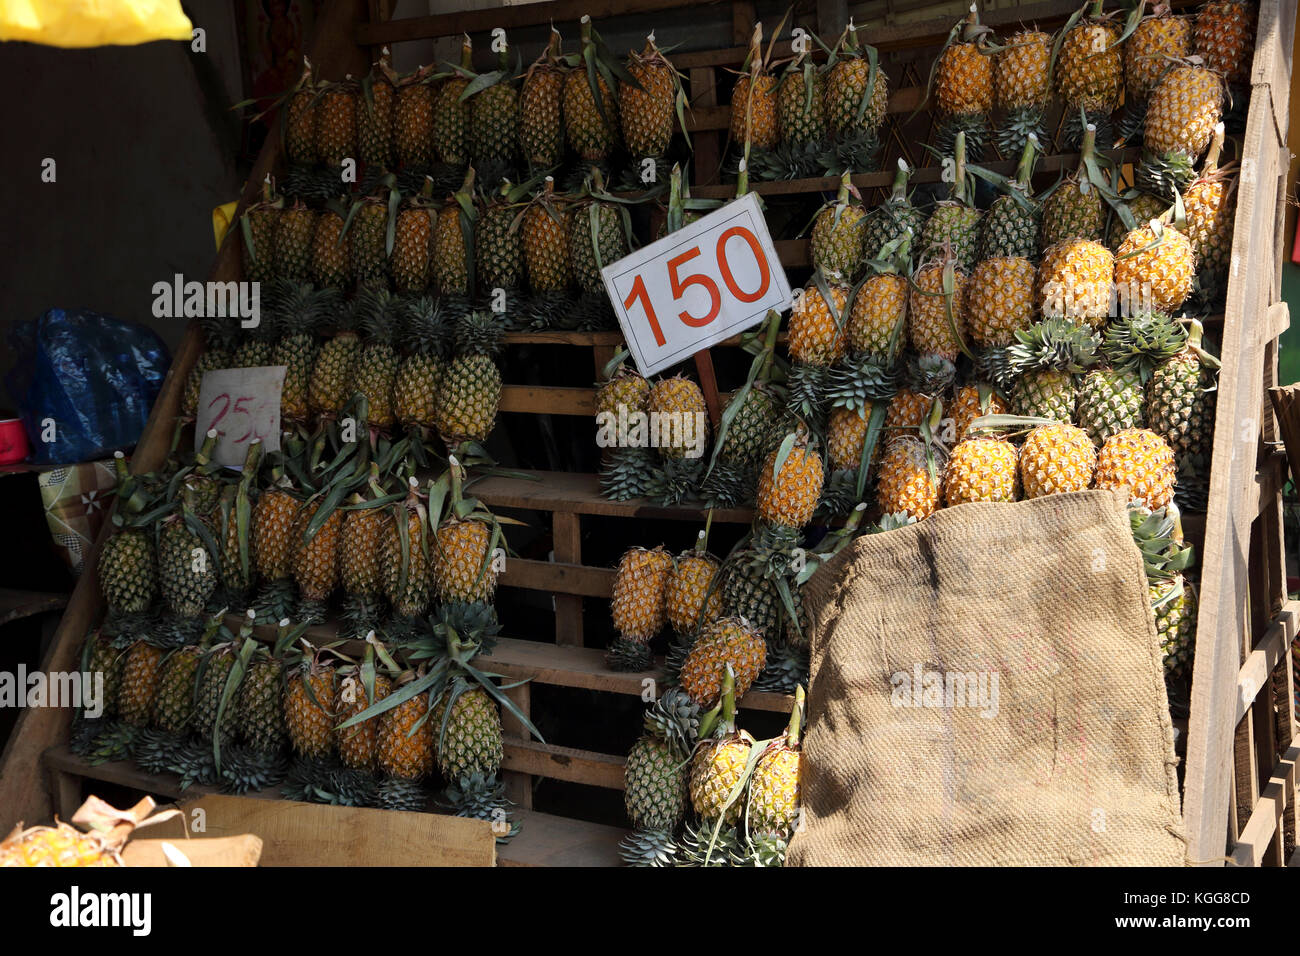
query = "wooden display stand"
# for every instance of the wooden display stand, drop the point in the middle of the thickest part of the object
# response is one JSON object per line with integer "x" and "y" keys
{"x": 1240, "y": 766}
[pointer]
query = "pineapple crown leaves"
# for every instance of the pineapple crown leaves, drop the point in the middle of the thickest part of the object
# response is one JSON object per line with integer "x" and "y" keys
{"x": 504, "y": 73}
{"x": 478, "y": 333}
{"x": 1054, "y": 344}
{"x": 1017, "y": 187}
{"x": 675, "y": 719}
{"x": 300, "y": 307}
{"x": 1143, "y": 341}
{"x": 1158, "y": 536}
{"x": 381, "y": 71}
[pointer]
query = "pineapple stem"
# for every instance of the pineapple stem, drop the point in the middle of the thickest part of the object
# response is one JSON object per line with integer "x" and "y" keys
{"x": 795, "y": 727}
{"x": 898, "y": 193}
{"x": 467, "y": 53}
{"x": 1025, "y": 170}
{"x": 1212, "y": 155}
{"x": 959, "y": 171}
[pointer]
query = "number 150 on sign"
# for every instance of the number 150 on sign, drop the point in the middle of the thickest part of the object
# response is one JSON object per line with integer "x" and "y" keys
{"x": 704, "y": 283}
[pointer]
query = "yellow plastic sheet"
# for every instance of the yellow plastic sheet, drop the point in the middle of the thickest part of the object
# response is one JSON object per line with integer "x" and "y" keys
{"x": 222, "y": 217}
{"x": 83, "y": 23}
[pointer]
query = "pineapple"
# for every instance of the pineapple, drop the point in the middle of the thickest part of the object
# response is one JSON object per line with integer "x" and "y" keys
{"x": 1140, "y": 461}
{"x": 692, "y": 595}
{"x": 334, "y": 373}
{"x": 336, "y": 122}
{"x": 541, "y": 127}
{"x": 271, "y": 547}
{"x": 894, "y": 219}
{"x": 376, "y": 367}
{"x": 1000, "y": 301}
{"x": 187, "y": 570}
{"x": 718, "y": 765}
{"x": 753, "y": 100}
{"x": 1155, "y": 42}
{"x": 1022, "y": 81}
{"x": 299, "y": 311}
{"x": 878, "y": 316}
{"x": 258, "y": 226}
{"x": 1075, "y": 209}
{"x": 963, "y": 86}
{"x": 1224, "y": 37}
{"x": 816, "y": 333}
{"x": 611, "y": 243}
{"x": 65, "y": 845}
{"x": 980, "y": 469}
{"x": 105, "y": 656}
{"x": 331, "y": 266}
{"x": 655, "y": 785}
{"x": 790, "y": 484}
{"x": 1180, "y": 405}
{"x": 1075, "y": 281}
{"x": 219, "y": 335}
{"x": 1174, "y": 605}
{"x": 1046, "y": 359}
{"x": 1056, "y": 459}
{"x": 856, "y": 98}
{"x": 405, "y": 560}
{"x": 467, "y": 730}
{"x": 423, "y": 333}
{"x": 955, "y": 223}
{"x": 846, "y": 436}
{"x": 591, "y": 120}
{"x": 233, "y": 526}
{"x": 625, "y": 388}
{"x": 936, "y": 308}
{"x": 773, "y": 799}
{"x": 1089, "y": 69}
{"x": 973, "y": 400}
{"x": 728, "y": 643}
{"x": 128, "y": 570}
{"x": 451, "y": 113}
{"x": 462, "y": 547}
{"x": 173, "y": 704}
{"x": 493, "y": 123}
{"x": 1211, "y": 208}
{"x": 453, "y": 242}
{"x": 1182, "y": 113}
{"x": 368, "y": 242}
{"x": 470, "y": 391}
{"x": 413, "y": 128}
{"x": 1109, "y": 400}
{"x": 310, "y": 701}
{"x": 361, "y": 561}
{"x": 498, "y": 250}
{"x": 408, "y": 263}
{"x": 211, "y": 722}
{"x": 757, "y": 580}
{"x": 639, "y": 604}
{"x": 316, "y": 557}
{"x": 293, "y": 242}
{"x": 679, "y": 401}
{"x": 300, "y": 120}
{"x": 928, "y": 378}
{"x": 361, "y": 687}
{"x": 259, "y": 704}
{"x": 404, "y": 739}
{"x": 1011, "y": 226}
{"x": 647, "y": 113}
{"x": 375, "y": 107}
{"x": 544, "y": 236}
{"x": 140, "y": 678}
{"x": 1155, "y": 267}
{"x": 909, "y": 478}
{"x": 800, "y": 109}
{"x": 837, "y": 233}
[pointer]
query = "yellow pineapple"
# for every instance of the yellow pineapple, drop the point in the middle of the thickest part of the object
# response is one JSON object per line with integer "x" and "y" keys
{"x": 1056, "y": 459}
{"x": 909, "y": 478}
{"x": 1140, "y": 461}
{"x": 1075, "y": 281}
{"x": 693, "y": 595}
{"x": 936, "y": 308}
{"x": 729, "y": 642}
{"x": 753, "y": 101}
{"x": 789, "y": 487}
{"x": 1155, "y": 267}
{"x": 973, "y": 401}
{"x": 1155, "y": 41}
{"x": 999, "y": 300}
{"x": 1224, "y": 37}
{"x": 639, "y": 605}
{"x": 980, "y": 469}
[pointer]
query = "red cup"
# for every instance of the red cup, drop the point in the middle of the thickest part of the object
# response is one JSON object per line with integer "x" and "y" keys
{"x": 13, "y": 441}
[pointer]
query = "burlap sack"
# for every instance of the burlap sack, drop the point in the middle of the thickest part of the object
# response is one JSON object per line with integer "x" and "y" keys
{"x": 1039, "y": 732}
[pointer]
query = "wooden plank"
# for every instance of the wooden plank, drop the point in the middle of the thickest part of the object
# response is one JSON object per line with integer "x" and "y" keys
{"x": 1275, "y": 645}
{"x": 16, "y": 605}
{"x": 580, "y": 493}
{"x": 563, "y": 763}
{"x": 566, "y": 531}
{"x": 558, "y": 576}
{"x": 708, "y": 146}
{"x": 509, "y": 17}
{"x": 709, "y": 385}
{"x": 546, "y": 840}
{"x": 548, "y": 400}
{"x": 242, "y": 850}
{"x": 743, "y": 16}
{"x": 925, "y": 174}
{"x": 1251, "y": 290}
{"x": 1257, "y": 835}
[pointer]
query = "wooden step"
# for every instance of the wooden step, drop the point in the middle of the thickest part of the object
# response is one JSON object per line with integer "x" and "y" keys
{"x": 543, "y": 839}
{"x": 579, "y": 493}
{"x": 554, "y": 665}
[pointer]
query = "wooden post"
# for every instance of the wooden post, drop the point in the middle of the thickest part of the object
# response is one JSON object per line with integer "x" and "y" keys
{"x": 519, "y": 786}
{"x": 566, "y": 530}
{"x": 708, "y": 144}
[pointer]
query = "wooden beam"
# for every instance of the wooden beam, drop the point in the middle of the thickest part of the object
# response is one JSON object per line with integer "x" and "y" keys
{"x": 566, "y": 531}
{"x": 1266, "y": 818}
{"x": 558, "y": 577}
{"x": 563, "y": 763}
{"x": 1266, "y": 656}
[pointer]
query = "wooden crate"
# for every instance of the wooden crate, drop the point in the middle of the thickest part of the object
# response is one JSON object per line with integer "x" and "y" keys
{"x": 1240, "y": 776}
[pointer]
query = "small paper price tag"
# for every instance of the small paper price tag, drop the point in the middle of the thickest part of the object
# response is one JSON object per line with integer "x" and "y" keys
{"x": 242, "y": 404}
{"x": 703, "y": 283}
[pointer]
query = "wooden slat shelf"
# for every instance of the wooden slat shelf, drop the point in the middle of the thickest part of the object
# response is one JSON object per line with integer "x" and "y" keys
{"x": 15, "y": 605}
{"x": 543, "y": 839}
{"x": 579, "y": 493}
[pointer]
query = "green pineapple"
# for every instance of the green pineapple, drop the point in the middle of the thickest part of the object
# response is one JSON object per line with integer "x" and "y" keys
{"x": 367, "y": 235}
{"x": 377, "y": 362}
{"x": 493, "y": 119}
{"x": 800, "y": 110}
{"x": 954, "y": 223}
{"x": 423, "y": 334}
{"x": 893, "y": 219}
{"x": 333, "y": 375}
{"x": 258, "y": 228}
{"x": 1047, "y": 358}
{"x": 128, "y": 572}
{"x": 1075, "y": 209}
{"x": 173, "y": 707}
{"x": 298, "y": 312}
{"x": 1165, "y": 556}
{"x": 220, "y": 334}
{"x": 837, "y": 234}
{"x": 375, "y": 113}
{"x": 1112, "y": 399}
{"x": 1012, "y": 223}
{"x": 1180, "y": 406}
{"x": 470, "y": 391}
{"x": 498, "y": 249}
{"x": 104, "y": 655}
{"x": 451, "y": 113}
{"x": 187, "y": 569}
{"x": 611, "y": 241}
{"x": 655, "y": 774}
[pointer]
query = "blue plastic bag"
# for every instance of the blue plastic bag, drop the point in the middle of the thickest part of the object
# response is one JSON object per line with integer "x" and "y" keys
{"x": 94, "y": 376}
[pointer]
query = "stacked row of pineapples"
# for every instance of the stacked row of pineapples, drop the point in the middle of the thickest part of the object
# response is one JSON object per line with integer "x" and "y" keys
{"x": 445, "y": 180}
{"x": 184, "y": 694}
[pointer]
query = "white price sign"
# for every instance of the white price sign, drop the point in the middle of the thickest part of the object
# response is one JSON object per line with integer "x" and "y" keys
{"x": 241, "y": 404}
{"x": 704, "y": 283}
